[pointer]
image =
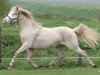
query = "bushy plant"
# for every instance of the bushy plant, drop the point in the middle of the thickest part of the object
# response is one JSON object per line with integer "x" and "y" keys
{"x": 4, "y": 6}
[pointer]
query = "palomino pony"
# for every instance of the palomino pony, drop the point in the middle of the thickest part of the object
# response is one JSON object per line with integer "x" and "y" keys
{"x": 35, "y": 36}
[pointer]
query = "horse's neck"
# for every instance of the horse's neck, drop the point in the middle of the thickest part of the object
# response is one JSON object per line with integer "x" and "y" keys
{"x": 26, "y": 24}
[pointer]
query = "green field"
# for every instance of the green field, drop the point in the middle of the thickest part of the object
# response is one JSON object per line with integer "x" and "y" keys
{"x": 63, "y": 68}
{"x": 52, "y": 15}
{"x": 72, "y": 71}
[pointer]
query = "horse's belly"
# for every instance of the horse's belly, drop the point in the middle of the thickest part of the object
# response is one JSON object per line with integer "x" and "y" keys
{"x": 44, "y": 44}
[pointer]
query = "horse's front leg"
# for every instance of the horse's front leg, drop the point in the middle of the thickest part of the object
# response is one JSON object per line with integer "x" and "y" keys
{"x": 24, "y": 47}
{"x": 29, "y": 58}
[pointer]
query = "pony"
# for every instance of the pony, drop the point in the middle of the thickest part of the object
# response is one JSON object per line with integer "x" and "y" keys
{"x": 35, "y": 36}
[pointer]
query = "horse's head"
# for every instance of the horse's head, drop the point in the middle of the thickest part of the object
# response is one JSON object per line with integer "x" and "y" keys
{"x": 15, "y": 12}
{"x": 12, "y": 16}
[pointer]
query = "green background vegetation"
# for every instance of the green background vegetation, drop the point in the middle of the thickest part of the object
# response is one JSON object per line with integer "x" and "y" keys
{"x": 51, "y": 15}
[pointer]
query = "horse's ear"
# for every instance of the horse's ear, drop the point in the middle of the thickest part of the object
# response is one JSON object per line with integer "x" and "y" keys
{"x": 17, "y": 7}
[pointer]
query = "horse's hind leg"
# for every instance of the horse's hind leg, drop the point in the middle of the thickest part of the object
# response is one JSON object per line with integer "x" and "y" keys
{"x": 60, "y": 56}
{"x": 83, "y": 53}
{"x": 29, "y": 58}
{"x": 79, "y": 60}
{"x": 72, "y": 43}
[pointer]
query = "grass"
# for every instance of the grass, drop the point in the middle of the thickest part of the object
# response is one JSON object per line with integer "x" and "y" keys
{"x": 22, "y": 64}
{"x": 68, "y": 67}
{"x": 72, "y": 71}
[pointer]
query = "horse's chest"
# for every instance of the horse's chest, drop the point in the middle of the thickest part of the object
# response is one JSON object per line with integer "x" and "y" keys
{"x": 26, "y": 36}
{"x": 29, "y": 34}
{"x": 23, "y": 38}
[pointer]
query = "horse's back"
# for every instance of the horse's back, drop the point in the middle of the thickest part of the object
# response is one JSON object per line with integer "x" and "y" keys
{"x": 65, "y": 31}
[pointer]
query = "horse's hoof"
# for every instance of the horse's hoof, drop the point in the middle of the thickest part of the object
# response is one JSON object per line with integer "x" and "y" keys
{"x": 51, "y": 66}
{"x": 10, "y": 67}
{"x": 39, "y": 65}
{"x": 95, "y": 66}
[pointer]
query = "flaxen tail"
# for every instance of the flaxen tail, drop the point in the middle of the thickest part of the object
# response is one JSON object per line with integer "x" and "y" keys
{"x": 87, "y": 35}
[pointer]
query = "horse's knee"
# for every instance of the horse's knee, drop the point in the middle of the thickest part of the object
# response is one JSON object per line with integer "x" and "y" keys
{"x": 84, "y": 53}
{"x": 16, "y": 53}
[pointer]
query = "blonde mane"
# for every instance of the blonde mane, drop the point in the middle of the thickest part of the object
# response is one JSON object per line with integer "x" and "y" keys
{"x": 28, "y": 14}
{"x": 22, "y": 11}
{"x": 25, "y": 12}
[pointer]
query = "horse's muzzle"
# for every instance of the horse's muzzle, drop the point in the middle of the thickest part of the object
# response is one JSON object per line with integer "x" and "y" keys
{"x": 5, "y": 22}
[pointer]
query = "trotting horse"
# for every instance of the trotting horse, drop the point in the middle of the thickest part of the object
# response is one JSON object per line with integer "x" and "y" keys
{"x": 35, "y": 36}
